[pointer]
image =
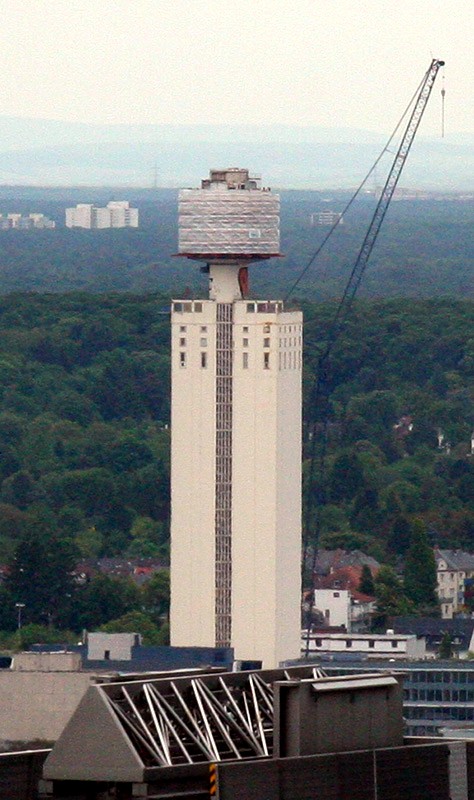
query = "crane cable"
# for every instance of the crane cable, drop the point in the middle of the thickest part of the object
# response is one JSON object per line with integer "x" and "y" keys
{"x": 346, "y": 208}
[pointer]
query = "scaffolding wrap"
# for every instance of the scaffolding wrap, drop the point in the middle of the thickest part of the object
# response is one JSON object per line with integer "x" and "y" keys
{"x": 233, "y": 222}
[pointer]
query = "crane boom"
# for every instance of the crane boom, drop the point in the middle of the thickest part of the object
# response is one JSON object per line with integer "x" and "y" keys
{"x": 384, "y": 200}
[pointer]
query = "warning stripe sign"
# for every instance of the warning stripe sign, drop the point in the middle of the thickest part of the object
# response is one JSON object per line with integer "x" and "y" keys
{"x": 212, "y": 780}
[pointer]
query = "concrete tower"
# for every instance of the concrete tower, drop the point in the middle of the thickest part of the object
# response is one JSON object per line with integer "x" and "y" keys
{"x": 236, "y": 434}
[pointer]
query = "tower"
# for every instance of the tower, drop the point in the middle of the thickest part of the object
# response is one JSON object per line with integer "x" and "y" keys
{"x": 236, "y": 434}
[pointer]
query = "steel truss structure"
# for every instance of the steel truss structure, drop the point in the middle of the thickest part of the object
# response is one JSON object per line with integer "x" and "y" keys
{"x": 194, "y": 720}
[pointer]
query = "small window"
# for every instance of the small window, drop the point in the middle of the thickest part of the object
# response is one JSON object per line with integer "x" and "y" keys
{"x": 106, "y": 655}
{"x": 203, "y": 328}
{"x": 182, "y": 328}
{"x": 266, "y": 342}
{"x": 182, "y": 342}
{"x": 394, "y": 644}
{"x": 371, "y": 644}
{"x": 204, "y": 360}
{"x": 336, "y": 594}
{"x": 318, "y": 642}
{"x": 266, "y": 328}
{"x": 182, "y": 359}
{"x": 348, "y": 643}
{"x": 245, "y": 360}
{"x": 203, "y": 341}
{"x": 245, "y": 342}
{"x": 250, "y": 308}
{"x": 266, "y": 361}
{"x": 245, "y": 329}
{"x": 178, "y": 308}
{"x": 187, "y": 307}
{"x": 198, "y": 307}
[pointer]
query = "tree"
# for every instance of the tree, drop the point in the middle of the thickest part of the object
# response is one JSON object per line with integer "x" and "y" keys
{"x": 390, "y": 597}
{"x": 420, "y": 570}
{"x": 135, "y": 622}
{"x": 41, "y": 576}
{"x": 446, "y": 646}
{"x": 366, "y": 583}
{"x": 105, "y": 599}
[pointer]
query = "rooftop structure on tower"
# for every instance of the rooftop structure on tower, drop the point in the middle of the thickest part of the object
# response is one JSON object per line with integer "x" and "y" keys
{"x": 236, "y": 434}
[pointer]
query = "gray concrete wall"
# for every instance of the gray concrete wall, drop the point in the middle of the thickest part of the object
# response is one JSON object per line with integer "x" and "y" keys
{"x": 37, "y": 705}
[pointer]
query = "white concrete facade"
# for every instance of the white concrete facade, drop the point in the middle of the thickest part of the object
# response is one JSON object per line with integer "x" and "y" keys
{"x": 335, "y": 606}
{"x": 264, "y": 473}
{"x": 116, "y": 214}
{"x": 389, "y": 645}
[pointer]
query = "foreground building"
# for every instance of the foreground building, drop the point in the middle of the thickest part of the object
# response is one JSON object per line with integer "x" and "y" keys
{"x": 236, "y": 434}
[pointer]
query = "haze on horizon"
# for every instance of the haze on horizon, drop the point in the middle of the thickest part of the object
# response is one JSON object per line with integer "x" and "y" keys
{"x": 346, "y": 64}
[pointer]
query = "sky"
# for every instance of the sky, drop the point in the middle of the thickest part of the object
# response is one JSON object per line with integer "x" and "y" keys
{"x": 341, "y": 63}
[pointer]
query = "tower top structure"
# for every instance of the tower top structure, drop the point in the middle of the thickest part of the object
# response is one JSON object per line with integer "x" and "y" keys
{"x": 228, "y": 223}
{"x": 230, "y": 218}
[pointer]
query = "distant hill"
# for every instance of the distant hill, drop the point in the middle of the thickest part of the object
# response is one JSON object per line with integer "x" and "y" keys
{"x": 60, "y": 153}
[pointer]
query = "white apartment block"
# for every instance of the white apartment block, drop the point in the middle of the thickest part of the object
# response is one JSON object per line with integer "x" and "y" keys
{"x": 21, "y": 222}
{"x": 116, "y": 214}
{"x": 388, "y": 645}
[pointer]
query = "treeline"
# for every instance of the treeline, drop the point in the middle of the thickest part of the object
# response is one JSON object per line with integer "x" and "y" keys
{"x": 84, "y": 440}
{"x": 425, "y": 248}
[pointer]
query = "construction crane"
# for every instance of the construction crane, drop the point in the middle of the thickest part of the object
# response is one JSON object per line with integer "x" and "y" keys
{"x": 320, "y": 394}
{"x": 384, "y": 201}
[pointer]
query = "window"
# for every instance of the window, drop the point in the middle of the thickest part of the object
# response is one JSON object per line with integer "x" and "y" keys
{"x": 203, "y": 342}
{"x": 178, "y": 307}
{"x": 203, "y": 328}
{"x": 182, "y": 328}
{"x": 245, "y": 342}
{"x": 204, "y": 360}
{"x": 266, "y": 342}
{"x": 182, "y": 359}
{"x": 182, "y": 342}
{"x": 266, "y": 361}
{"x": 348, "y": 643}
{"x": 371, "y": 644}
{"x": 250, "y": 308}
{"x": 336, "y": 594}
{"x": 266, "y": 328}
{"x": 187, "y": 307}
{"x": 394, "y": 643}
{"x": 198, "y": 307}
{"x": 319, "y": 642}
{"x": 245, "y": 360}
{"x": 245, "y": 329}
{"x": 106, "y": 655}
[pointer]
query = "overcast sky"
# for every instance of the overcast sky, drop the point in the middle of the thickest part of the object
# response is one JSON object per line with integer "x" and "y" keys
{"x": 336, "y": 63}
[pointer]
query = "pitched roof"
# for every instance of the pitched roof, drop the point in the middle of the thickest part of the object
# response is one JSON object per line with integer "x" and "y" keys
{"x": 344, "y": 578}
{"x": 456, "y": 559}
{"x": 329, "y": 560}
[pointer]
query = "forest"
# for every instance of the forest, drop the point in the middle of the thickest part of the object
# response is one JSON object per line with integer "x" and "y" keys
{"x": 425, "y": 248}
{"x": 84, "y": 443}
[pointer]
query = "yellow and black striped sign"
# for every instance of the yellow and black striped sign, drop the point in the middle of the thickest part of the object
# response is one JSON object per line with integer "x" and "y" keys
{"x": 212, "y": 780}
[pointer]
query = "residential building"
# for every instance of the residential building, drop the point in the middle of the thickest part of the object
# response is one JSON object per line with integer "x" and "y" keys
{"x": 343, "y": 607}
{"x": 236, "y": 434}
{"x": 326, "y": 218}
{"x": 455, "y": 575}
{"x": 116, "y": 214}
{"x": 21, "y": 222}
{"x": 374, "y": 645}
{"x": 459, "y": 630}
{"x": 328, "y": 561}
